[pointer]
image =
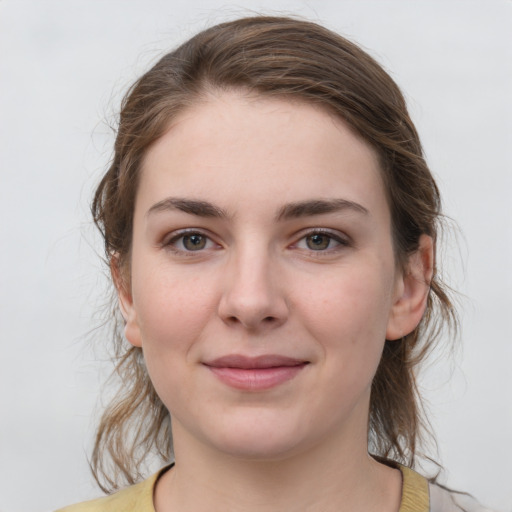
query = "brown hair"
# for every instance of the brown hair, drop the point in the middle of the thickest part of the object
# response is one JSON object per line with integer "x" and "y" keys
{"x": 295, "y": 60}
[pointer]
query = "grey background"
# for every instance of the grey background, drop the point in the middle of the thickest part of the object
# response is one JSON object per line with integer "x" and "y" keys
{"x": 63, "y": 68}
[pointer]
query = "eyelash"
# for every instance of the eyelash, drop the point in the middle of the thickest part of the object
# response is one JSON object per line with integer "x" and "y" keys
{"x": 341, "y": 242}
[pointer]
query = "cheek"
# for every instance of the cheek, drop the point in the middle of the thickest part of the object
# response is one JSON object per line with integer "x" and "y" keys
{"x": 348, "y": 318}
{"x": 351, "y": 303}
{"x": 172, "y": 311}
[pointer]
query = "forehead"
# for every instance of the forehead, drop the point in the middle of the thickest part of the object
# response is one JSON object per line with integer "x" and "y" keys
{"x": 240, "y": 149}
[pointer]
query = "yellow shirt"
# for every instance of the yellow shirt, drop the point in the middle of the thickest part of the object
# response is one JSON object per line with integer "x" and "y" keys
{"x": 139, "y": 497}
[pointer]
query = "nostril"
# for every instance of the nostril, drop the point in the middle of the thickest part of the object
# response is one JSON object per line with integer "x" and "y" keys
{"x": 269, "y": 319}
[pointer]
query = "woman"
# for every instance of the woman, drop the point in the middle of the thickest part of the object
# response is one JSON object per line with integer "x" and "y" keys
{"x": 270, "y": 225}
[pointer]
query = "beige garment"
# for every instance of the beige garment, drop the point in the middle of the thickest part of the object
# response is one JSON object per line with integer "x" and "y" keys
{"x": 415, "y": 497}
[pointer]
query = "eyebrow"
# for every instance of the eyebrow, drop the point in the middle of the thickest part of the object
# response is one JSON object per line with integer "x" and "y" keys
{"x": 318, "y": 207}
{"x": 289, "y": 211}
{"x": 190, "y": 206}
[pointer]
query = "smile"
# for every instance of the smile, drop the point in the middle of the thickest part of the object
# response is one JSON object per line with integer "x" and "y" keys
{"x": 255, "y": 373}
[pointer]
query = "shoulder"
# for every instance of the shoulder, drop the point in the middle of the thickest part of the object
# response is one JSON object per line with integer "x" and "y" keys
{"x": 444, "y": 500}
{"x": 415, "y": 492}
{"x": 419, "y": 495}
{"x": 136, "y": 498}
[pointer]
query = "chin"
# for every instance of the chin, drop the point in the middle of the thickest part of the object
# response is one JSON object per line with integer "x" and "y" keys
{"x": 258, "y": 449}
{"x": 259, "y": 438}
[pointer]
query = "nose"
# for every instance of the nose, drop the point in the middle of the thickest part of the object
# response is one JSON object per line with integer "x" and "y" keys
{"x": 253, "y": 295}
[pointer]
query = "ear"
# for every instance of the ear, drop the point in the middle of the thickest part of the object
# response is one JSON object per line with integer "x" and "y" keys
{"x": 124, "y": 295}
{"x": 411, "y": 291}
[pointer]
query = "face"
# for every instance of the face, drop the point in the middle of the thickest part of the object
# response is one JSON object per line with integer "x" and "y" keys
{"x": 263, "y": 281}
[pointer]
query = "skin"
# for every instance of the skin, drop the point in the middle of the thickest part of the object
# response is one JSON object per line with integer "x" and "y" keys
{"x": 259, "y": 275}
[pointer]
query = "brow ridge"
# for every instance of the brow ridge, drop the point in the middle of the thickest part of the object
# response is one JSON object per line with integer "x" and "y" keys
{"x": 288, "y": 211}
{"x": 318, "y": 207}
{"x": 190, "y": 206}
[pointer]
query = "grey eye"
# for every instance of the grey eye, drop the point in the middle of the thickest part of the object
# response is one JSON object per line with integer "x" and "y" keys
{"x": 194, "y": 242}
{"x": 318, "y": 241}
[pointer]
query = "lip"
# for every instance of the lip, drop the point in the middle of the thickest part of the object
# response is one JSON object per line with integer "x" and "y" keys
{"x": 255, "y": 373}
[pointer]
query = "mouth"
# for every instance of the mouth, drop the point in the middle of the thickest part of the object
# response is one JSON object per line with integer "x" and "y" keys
{"x": 255, "y": 373}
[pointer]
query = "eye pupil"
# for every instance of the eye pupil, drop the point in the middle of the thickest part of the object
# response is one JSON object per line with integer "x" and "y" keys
{"x": 194, "y": 242}
{"x": 318, "y": 241}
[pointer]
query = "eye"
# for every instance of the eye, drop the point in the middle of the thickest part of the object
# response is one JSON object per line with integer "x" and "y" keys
{"x": 318, "y": 241}
{"x": 321, "y": 241}
{"x": 190, "y": 241}
{"x": 194, "y": 242}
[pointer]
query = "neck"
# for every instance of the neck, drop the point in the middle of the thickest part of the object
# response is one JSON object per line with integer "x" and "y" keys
{"x": 347, "y": 477}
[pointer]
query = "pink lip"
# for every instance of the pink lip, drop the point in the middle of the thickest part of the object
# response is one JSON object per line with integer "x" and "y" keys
{"x": 255, "y": 373}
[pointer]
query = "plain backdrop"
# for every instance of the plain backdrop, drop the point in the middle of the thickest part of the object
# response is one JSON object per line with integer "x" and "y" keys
{"x": 63, "y": 68}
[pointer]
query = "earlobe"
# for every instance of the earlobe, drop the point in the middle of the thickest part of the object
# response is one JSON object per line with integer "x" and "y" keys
{"x": 412, "y": 291}
{"x": 126, "y": 306}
